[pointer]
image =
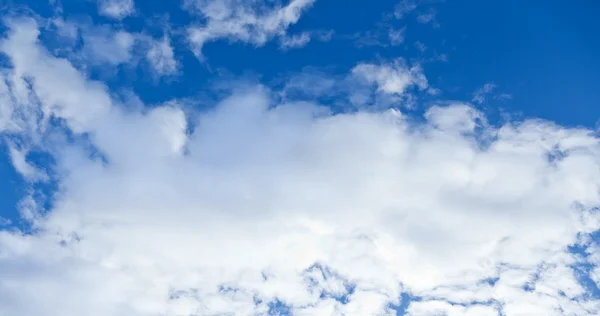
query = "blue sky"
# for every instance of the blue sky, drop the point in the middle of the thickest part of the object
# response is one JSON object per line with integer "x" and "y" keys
{"x": 302, "y": 157}
{"x": 541, "y": 54}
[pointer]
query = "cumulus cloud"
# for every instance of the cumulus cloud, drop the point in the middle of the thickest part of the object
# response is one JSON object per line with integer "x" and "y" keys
{"x": 391, "y": 78}
{"x": 258, "y": 207}
{"x": 116, "y": 9}
{"x": 253, "y": 22}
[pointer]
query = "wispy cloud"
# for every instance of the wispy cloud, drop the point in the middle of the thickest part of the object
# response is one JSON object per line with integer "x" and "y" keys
{"x": 116, "y": 9}
{"x": 420, "y": 46}
{"x": 161, "y": 57}
{"x": 105, "y": 45}
{"x": 396, "y": 36}
{"x": 252, "y": 22}
{"x": 411, "y": 7}
{"x": 404, "y": 7}
{"x": 384, "y": 36}
{"x": 480, "y": 94}
{"x": 425, "y": 18}
{"x": 503, "y": 96}
{"x": 380, "y": 84}
{"x": 302, "y": 39}
{"x": 294, "y": 41}
{"x": 487, "y": 90}
{"x": 5, "y": 221}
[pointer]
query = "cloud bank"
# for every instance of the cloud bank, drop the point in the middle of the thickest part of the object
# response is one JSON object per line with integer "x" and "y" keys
{"x": 260, "y": 206}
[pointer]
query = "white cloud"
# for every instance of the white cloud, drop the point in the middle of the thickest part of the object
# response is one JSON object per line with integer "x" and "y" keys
{"x": 503, "y": 96}
{"x": 249, "y": 22}
{"x": 288, "y": 202}
{"x": 392, "y": 78}
{"x": 480, "y": 94}
{"x": 440, "y": 57}
{"x": 420, "y": 46}
{"x": 369, "y": 38}
{"x": 407, "y": 7}
{"x": 302, "y": 39}
{"x": 396, "y": 36}
{"x": 404, "y": 7}
{"x": 294, "y": 41}
{"x": 22, "y": 166}
{"x": 310, "y": 83}
{"x": 116, "y": 9}
{"x": 383, "y": 35}
{"x": 426, "y": 17}
{"x": 367, "y": 85}
{"x": 434, "y": 91}
{"x": 6, "y": 109}
{"x": 4, "y": 221}
{"x": 161, "y": 56}
{"x": 323, "y": 35}
{"x": 105, "y": 45}
{"x": 68, "y": 96}
{"x": 459, "y": 118}
{"x": 445, "y": 308}
{"x": 65, "y": 29}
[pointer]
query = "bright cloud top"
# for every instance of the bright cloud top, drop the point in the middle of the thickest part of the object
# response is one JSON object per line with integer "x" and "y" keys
{"x": 260, "y": 206}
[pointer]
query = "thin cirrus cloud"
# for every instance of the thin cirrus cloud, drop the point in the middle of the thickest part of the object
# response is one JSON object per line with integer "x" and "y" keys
{"x": 268, "y": 205}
